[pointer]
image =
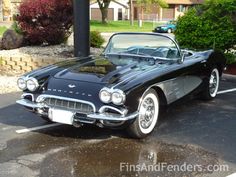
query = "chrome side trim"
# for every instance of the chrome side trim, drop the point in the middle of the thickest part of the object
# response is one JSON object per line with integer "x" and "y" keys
{"x": 157, "y": 85}
{"x": 28, "y": 94}
{"x": 44, "y": 96}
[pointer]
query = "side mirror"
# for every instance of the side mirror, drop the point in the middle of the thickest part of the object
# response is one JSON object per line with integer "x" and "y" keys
{"x": 182, "y": 58}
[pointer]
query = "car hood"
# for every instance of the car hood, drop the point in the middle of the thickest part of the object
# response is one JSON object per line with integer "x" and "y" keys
{"x": 101, "y": 70}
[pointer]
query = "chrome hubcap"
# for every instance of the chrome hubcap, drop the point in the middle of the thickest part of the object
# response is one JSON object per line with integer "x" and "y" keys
{"x": 147, "y": 113}
{"x": 213, "y": 83}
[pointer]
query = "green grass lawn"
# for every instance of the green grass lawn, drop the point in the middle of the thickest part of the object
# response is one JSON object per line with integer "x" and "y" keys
{"x": 122, "y": 26}
{"x": 2, "y": 30}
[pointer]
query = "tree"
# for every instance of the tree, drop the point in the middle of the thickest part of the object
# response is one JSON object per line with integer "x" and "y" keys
{"x": 211, "y": 25}
{"x": 146, "y": 4}
{"x": 103, "y": 5}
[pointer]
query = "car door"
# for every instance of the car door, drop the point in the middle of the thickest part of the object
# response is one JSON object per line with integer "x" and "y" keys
{"x": 194, "y": 71}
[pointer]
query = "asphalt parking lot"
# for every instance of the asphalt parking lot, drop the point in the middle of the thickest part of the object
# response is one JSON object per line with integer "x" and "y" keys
{"x": 191, "y": 132}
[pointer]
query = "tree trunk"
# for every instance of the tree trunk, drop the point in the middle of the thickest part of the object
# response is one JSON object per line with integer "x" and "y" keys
{"x": 131, "y": 13}
{"x": 103, "y": 5}
{"x": 104, "y": 12}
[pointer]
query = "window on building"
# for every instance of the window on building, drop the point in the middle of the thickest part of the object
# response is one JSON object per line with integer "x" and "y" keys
{"x": 182, "y": 8}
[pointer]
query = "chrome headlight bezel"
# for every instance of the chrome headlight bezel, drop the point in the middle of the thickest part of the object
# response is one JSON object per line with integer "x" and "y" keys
{"x": 33, "y": 81}
{"x": 105, "y": 91}
{"x": 111, "y": 96}
{"x": 23, "y": 80}
{"x": 121, "y": 96}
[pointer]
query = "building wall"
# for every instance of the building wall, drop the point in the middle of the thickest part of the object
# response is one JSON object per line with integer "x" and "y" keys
{"x": 6, "y": 9}
{"x": 1, "y": 11}
{"x": 164, "y": 14}
{"x": 115, "y": 10}
{"x": 95, "y": 14}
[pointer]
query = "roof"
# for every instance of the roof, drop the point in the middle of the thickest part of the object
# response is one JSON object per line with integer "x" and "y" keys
{"x": 121, "y": 4}
{"x": 184, "y": 1}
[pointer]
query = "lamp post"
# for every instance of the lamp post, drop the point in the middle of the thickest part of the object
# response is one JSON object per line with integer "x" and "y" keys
{"x": 81, "y": 28}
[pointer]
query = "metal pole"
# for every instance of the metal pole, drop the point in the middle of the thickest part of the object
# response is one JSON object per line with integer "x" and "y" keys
{"x": 81, "y": 28}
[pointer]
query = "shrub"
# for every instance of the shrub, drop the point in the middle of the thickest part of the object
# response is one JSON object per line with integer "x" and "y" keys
{"x": 45, "y": 21}
{"x": 231, "y": 55}
{"x": 211, "y": 25}
{"x": 96, "y": 40}
{"x": 16, "y": 27}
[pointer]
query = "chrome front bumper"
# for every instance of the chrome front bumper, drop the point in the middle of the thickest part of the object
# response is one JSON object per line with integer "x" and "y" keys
{"x": 102, "y": 115}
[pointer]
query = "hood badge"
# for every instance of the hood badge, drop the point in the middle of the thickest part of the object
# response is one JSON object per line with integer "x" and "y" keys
{"x": 71, "y": 86}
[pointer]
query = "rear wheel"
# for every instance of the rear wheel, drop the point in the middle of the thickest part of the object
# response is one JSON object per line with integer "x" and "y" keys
{"x": 148, "y": 116}
{"x": 213, "y": 85}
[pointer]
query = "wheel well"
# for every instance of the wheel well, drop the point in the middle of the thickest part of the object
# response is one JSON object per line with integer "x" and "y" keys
{"x": 219, "y": 67}
{"x": 162, "y": 97}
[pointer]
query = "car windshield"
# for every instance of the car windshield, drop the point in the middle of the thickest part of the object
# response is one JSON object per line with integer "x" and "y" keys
{"x": 146, "y": 45}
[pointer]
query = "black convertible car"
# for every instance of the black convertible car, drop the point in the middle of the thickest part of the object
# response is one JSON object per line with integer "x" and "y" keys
{"x": 123, "y": 87}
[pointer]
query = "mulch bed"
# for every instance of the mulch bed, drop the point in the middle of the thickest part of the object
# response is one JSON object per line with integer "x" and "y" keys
{"x": 231, "y": 69}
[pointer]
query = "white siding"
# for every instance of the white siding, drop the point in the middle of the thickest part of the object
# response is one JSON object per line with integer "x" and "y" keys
{"x": 115, "y": 7}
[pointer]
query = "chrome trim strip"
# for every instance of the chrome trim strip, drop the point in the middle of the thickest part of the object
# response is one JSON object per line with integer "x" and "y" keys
{"x": 112, "y": 117}
{"x": 123, "y": 112}
{"x": 113, "y": 87}
{"x": 28, "y": 94}
{"x": 102, "y": 115}
{"x": 44, "y": 96}
{"x": 30, "y": 104}
{"x": 122, "y": 82}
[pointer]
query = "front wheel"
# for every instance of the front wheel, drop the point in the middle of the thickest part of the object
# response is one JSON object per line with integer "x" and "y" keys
{"x": 169, "y": 31}
{"x": 148, "y": 115}
{"x": 213, "y": 85}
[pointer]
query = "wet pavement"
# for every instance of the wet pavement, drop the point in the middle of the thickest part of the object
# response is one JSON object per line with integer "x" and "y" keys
{"x": 191, "y": 132}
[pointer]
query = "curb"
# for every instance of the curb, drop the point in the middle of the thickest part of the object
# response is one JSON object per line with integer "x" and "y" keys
{"x": 229, "y": 77}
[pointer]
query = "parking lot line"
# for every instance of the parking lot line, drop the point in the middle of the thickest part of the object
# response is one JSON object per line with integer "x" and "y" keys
{"x": 37, "y": 128}
{"x": 232, "y": 175}
{"x": 227, "y": 91}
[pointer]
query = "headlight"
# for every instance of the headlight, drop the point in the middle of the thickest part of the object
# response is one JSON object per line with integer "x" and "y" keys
{"x": 115, "y": 96}
{"x": 32, "y": 84}
{"x": 105, "y": 95}
{"x": 21, "y": 83}
{"x": 118, "y": 97}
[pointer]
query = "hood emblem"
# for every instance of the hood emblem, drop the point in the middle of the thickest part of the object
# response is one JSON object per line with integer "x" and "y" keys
{"x": 71, "y": 86}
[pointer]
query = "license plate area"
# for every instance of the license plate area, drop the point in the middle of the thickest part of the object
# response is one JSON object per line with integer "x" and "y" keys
{"x": 61, "y": 116}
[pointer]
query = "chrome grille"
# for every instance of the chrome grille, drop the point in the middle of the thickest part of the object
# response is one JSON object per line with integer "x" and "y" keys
{"x": 77, "y": 106}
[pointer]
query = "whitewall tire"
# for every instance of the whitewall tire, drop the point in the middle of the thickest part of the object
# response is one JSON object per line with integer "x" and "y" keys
{"x": 213, "y": 85}
{"x": 148, "y": 115}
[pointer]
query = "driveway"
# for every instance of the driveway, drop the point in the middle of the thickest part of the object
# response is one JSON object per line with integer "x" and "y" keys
{"x": 190, "y": 132}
